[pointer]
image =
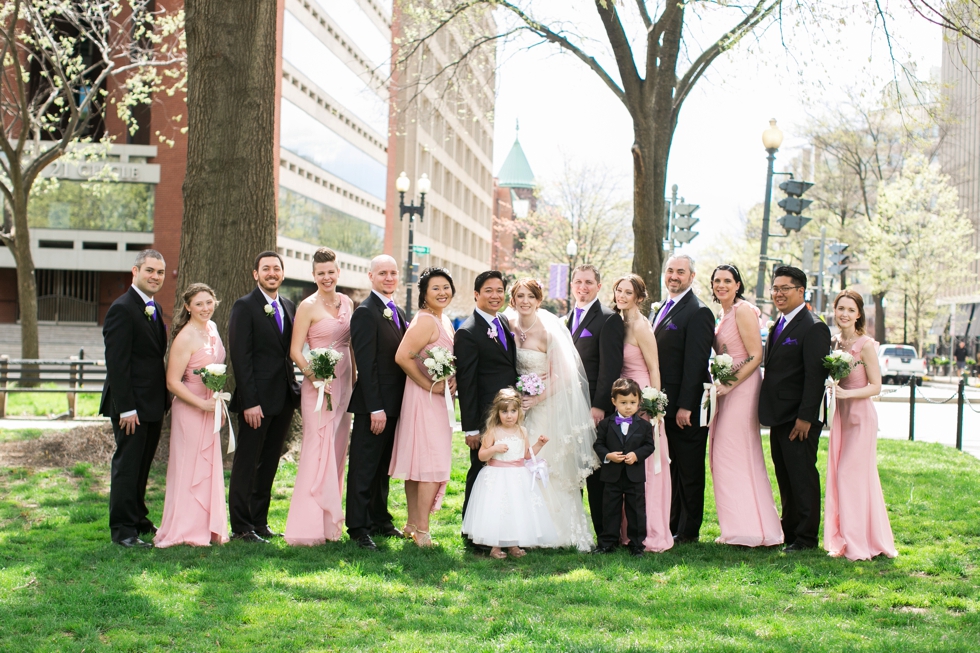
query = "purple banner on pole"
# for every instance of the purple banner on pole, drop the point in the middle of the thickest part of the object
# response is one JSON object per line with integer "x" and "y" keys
{"x": 558, "y": 280}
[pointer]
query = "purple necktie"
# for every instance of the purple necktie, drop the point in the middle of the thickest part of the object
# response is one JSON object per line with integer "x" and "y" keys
{"x": 779, "y": 327}
{"x": 151, "y": 303}
{"x": 501, "y": 334}
{"x": 664, "y": 311}
{"x": 578, "y": 318}
{"x": 275, "y": 311}
{"x": 394, "y": 315}
{"x": 623, "y": 420}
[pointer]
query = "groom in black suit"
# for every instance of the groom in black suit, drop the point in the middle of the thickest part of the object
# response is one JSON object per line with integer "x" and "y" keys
{"x": 789, "y": 403}
{"x": 598, "y": 336}
{"x": 134, "y": 397}
{"x": 486, "y": 362}
{"x": 376, "y": 329}
{"x": 266, "y": 394}
{"x": 685, "y": 330}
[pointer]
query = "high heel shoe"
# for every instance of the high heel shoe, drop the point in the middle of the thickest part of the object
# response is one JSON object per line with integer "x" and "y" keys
{"x": 498, "y": 554}
{"x": 408, "y": 531}
{"x": 422, "y": 539}
{"x": 516, "y": 552}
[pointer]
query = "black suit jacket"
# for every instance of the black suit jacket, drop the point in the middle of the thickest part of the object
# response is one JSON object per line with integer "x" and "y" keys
{"x": 375, "y": 339}
{"x": 684, "y": 339}
{"x": 793, "y": 384}
{"x": 638, "y": 439}
{"x": 136, "y": 378}
{"x": 483, "y": 368}
{"x": 599, "y": 342}
{"x": 260, "y": 355}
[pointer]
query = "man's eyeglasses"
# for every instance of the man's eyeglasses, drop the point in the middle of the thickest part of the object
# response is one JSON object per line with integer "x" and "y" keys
{"x": 783, "y": 290}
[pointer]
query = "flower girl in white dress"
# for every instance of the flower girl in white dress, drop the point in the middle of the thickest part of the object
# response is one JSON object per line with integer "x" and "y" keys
{"x": 506, "y": 509}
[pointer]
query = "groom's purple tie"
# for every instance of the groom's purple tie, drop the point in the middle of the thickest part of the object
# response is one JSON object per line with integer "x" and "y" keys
{"x": 277, "y": 314}
{"x": 664, "y": 311}
{"x": 501, "y": 334}
{"x": 151, "y": 303}
{"x": 394, "y": 315}
{"x": 779, "y": 327}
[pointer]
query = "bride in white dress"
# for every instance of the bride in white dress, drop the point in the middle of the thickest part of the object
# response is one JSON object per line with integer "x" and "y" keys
{"x": 561, "y": 412}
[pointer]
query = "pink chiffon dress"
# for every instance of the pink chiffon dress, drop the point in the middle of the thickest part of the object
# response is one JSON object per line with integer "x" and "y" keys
{"x": 194, "y": 509}
{"x": 424, "y": 436}
{"x": 746, "y": 509}
{"x": 316, "y": 511}
{"x": 658, "y": 487}
{"x": 855, "y": 518}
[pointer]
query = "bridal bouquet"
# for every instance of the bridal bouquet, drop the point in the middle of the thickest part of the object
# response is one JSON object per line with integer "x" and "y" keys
{"x": 654, "y": 402}
{"x": 530, "y": 384}
{"x": 839, "y": 364}
{"x": 214, "y": 377}
{"x": 440, "y": 363}
{"x": 323, "y": 363}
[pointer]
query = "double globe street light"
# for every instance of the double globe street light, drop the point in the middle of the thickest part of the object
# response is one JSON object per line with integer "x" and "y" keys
{"x": 402, "y": 184}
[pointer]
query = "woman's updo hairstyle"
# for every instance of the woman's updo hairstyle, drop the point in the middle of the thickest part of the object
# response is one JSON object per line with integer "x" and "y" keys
{"x": 324, "y": 255}
{"x": 183, "y": 315}
{"x": 639, "y": 289}
{"x": 728, "y": 267}
{"x": 533, "y": 286}
{"x": 426, "y": 276}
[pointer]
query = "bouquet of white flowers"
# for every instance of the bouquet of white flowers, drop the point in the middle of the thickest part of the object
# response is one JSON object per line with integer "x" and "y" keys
{"x": 723, "y": 369}
{"x": 441, "y": 365}
{"x": 654, "y": 402}
{"x": 839, "y": 364}
{"x": 530, "y": 384}
{"x": 214, "y": 377}
{"x": 323, "y": 363}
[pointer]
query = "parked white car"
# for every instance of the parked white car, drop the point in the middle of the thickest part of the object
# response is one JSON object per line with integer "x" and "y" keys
{"x": 900, "y": 362}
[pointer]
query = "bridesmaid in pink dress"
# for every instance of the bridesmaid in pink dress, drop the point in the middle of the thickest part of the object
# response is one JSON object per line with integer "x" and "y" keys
{"x": 194, "y": 508}
{"x": 743, "y": 493}
{"x": 856, "y": 520}
{"x": 322, "y": 320}
{"x": 422, "y": 453}
{"x": 641, "y": 363}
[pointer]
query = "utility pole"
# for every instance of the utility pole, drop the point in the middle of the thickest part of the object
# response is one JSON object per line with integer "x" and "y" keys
{"x": 823, "y": 243}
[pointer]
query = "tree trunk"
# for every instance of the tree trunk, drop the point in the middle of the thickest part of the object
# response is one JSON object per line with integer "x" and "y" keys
{"x": 880, "y": 332}
{"x": 649, "y": 182}
{"x": 230, "y": 189}
{"x": 26, "y": 287}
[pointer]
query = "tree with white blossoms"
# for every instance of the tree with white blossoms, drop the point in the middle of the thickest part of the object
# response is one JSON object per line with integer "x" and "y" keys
{"x": 918, "y": 241}
{"x": 58, "y": 57}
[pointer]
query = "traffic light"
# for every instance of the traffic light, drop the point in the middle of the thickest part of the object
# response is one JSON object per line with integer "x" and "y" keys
{"x": 794, "y": 205}
{"x": 838, "y": 259}
{"x": 684, "y": 222}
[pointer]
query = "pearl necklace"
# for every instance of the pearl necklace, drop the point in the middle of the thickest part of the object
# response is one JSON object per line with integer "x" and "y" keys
{"x": 523, "y": 333}
{"x": 327, "y": 304}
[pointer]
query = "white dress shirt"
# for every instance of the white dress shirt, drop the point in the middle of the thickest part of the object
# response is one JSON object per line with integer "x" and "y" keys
{"x": 676, "y": 301}
{"x": 585, "y": 310}
{"x": 788, "y": 317}
{"x": 625, "y": 429}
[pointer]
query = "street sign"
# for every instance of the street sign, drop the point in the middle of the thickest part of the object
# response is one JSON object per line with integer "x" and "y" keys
{"x": 420, "y": 249}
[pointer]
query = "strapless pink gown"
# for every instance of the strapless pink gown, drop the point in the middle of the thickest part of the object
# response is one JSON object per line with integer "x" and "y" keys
{"x": 743, "y": 493}
{"x": 194, "y": 509}
{"x": 316, "y": 510}
{"x": 424, "y": 438}
{"x": 657, "y": 485}
{"x": 855, "y": 518}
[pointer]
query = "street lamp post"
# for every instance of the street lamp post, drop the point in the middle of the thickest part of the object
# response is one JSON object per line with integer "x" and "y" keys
{"x": 572, "y": 250}
{"x": 402, "y": 184}
{"x": 772, "y": 138}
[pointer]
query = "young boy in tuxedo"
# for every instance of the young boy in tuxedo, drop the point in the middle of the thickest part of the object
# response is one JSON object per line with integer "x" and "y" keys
{"x": 623, "y": 442}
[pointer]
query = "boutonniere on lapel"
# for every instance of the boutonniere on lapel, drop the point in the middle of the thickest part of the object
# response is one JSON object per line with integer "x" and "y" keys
{"x": 656, "y": 307}
{"x": 492, "y": 332}
{"x": 769, "y": 325}
{"x": 149, "y": 311}
{"x": 387, "y": 313}
{"x": 269, "y": 312}
{"x": 790, "y": 341}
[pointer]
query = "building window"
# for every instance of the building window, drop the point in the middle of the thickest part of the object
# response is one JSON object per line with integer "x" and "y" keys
{"x": 103, "y": 206}
{"x": 302, "y": 218}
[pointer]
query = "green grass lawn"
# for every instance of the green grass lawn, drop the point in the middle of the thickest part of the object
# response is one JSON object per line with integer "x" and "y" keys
{"x": 64, "y": 587}
{"x": 46, "y": 404}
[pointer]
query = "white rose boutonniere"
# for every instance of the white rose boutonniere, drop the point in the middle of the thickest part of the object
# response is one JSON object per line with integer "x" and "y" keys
{"x": 769, "y": 325}
{"x": 387, "y": 313}
{"x": 269, "y": 310}
{"x": 656, "y": 307}
{"x": 149, "y": 311}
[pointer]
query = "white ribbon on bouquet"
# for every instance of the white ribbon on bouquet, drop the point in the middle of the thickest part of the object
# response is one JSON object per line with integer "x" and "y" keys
{"x": 658, "y": 432}
{"x": 221, "y": 409}
{"x": 829, "y": 403}
{"x": 709, "y": 399}
{"x": 450, "y": 407}
{"x": 322, "y": 386}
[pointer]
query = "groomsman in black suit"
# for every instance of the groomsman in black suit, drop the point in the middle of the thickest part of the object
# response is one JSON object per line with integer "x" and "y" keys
{"x": 376, "y": 330}
{"x": 266, "y": 394}
{"x": 598, "y": 335}
{"x": 134, "y": 397}
{"x": 486, "y": 362}
{"x": 789, "y": 403}
{"x": 685, "y": 330}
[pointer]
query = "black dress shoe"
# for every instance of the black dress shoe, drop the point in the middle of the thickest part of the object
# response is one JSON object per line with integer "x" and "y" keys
{"x": 266, "y": 533}
{"x": 794, "y": 547}
{"x": 605, "y": 549}
{"x": 365, "y": 542}
{"x": 134, "y": 542}
{"x": 388, "y": 532}
{"x": 249, "y": 536}
{"x": 147, "y": 529}
{"x": 636, "y": 552}
{"x": 684, "y": 539}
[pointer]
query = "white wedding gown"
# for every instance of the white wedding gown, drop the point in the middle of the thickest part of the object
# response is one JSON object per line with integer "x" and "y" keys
{"x": 565, "y": 418}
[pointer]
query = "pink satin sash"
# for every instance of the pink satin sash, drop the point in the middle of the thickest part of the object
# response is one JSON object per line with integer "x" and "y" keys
{"x": 493, "y": 462}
